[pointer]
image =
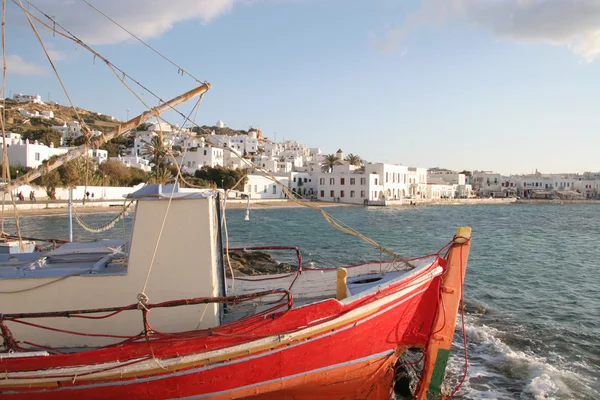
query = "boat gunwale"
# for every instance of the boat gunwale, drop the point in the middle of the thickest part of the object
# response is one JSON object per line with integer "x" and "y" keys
{"x": 109, "y": 354}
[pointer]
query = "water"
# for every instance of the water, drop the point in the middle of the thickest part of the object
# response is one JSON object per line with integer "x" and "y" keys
{"x": 532, "y": 286}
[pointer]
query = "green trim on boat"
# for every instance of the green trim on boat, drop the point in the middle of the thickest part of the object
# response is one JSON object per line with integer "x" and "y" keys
{"x": 435, "y": 385}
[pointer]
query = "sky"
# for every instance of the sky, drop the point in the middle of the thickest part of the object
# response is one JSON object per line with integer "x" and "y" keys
{"x": 509, "y": 86}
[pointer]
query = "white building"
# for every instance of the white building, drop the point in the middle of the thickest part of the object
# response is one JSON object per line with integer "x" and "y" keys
{"x": 28, "y": 98}
{"x": 30, "y": 155}
{"x": 261, "y": 187}
{"x": 47, "y": 114}
{"x": 133, "y": 161}
{"x": 372, "y": 184}
{"x": 11, "y": 138}
{"x": 487, "y": 184}
{"x": 417, "y": 183}
{"x": 303, "y": 184}
{"x": 202, "y": 156}
{"x": 98, "y": 155}
{"x": 446, "y": 178}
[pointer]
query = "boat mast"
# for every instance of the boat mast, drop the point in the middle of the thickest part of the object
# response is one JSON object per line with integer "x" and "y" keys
{"x": 103, "y": 138}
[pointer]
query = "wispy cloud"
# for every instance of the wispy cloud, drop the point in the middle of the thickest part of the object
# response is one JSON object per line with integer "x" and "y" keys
{"x": 145, "y": 18}
{"x": 16, "y": 65}
{"x": 574, "y": 24}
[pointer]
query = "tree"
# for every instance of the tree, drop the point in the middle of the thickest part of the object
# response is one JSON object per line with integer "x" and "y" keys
{"x": 159, "y": 151}
{"x": 329, "y": 161}
{"x": 467, "y": 173}
{"x": 222, "y": 177}
{"x": 260, "y": 151}
{"x": 353, "y": 159}
{"x": 162, "y": 176}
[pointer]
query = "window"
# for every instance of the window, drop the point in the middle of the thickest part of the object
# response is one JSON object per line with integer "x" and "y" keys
{"x": 341, "y": 193}
{"x": 362, "y": 194}
{"x": 294, "y": 179}
{"x": 37, "y": 156}
{"x": 274, "y": 189}
{"x": 376, "y": 181}
{"x": 321, "y": 182}
{"x": 265, "y": 190}
{"x": 386, "y": 177}
{"x": 255, "y": 188}
{"x": 331, "y": 193}
{"x": 204, "y": 152}
{"x": 332, "y": 182}
{"x": 342, "y": 181}
{"x": 352, "y": 193}
{"x": 322, "y": 193}
{"x": 305, "y": 180}
{"x": 363, "y": 181}
{"x": 353, "y": 181}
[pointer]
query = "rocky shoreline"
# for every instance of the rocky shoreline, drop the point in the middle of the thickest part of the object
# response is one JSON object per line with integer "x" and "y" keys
{"x": 251, "y": 263}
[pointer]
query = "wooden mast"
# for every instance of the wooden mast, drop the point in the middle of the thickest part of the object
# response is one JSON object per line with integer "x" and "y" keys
{"x": 99, "y": 140}
{"x": 438, "y": 348}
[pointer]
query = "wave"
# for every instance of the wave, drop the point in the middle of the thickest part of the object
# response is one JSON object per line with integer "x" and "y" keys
{"x": 499, "y": 371}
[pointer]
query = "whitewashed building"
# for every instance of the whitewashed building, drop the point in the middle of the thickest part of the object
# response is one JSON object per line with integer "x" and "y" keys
{"x": 261, "y": 187}
{"x": 372, "y": 184}
{"x": 202, "y": 156}
{"x": 303, "y": 184}
{"x": 11, "y": 138}
{"x": 487, "y": 184}
{"x": 30, "y": 155}
{"x": 98, "y": 155}
{"x": 132, "y": 161}
{"x": 28, "y": 98}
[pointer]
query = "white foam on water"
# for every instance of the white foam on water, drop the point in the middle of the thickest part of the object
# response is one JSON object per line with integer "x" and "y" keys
{"x": 500, "y": 366}
{"x": 542, "y": 387}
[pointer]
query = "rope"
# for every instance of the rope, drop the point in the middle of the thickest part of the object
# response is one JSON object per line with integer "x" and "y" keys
{"x": 5, "y": 165}
{"x": 37, "y": 34}
{"x": 196, "y": 106}
{"x": 121, "y": 74}
{"x": 105, "y": 227}
{"x": 303, "y": 202}
{"x": 179, "y": 68}
{"x": 44, "y": 284}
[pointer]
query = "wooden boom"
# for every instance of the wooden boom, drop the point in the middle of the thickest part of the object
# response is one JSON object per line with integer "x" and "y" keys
{"x": 99, "y": 140}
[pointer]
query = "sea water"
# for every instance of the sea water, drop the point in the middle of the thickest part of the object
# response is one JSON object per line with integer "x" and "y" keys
{"x": 532, "y": 287}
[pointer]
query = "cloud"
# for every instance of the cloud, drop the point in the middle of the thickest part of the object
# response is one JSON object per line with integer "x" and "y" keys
{"x": 16, "y": 65}
{"x": 145, "y": 18}
{"x": 573, "y": 23}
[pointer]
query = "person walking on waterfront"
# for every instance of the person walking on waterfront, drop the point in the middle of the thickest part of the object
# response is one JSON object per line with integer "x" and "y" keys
{"x": 21, "y": 197}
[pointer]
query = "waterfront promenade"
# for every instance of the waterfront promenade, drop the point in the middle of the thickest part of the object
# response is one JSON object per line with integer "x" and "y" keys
{"x": 50, "y": 207}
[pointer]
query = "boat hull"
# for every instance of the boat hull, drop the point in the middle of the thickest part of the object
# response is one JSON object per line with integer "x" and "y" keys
{"x": 343, "y": 350}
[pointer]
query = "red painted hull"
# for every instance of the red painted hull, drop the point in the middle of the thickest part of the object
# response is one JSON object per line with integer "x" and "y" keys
{"x": 325, "y": 350}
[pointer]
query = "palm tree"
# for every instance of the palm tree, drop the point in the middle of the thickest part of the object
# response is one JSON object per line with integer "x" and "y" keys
{"x": 159, "y": 151}
{"x": 162, "y": 176}
{"x": 329, "y": 161}
{"x": 353, "y": 159}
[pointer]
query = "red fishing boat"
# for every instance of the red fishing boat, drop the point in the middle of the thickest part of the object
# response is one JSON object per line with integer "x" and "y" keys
{"x": 328, "y": 333}
{"x": 157, "y": 317}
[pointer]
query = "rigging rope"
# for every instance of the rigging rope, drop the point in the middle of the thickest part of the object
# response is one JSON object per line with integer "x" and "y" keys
{"x": 179, "y": 68}
{"x": 86, "y": 129}
{"x": 105, "y": 227}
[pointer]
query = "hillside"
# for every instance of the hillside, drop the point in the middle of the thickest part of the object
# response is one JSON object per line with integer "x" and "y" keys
{"x": 15, "y": 122}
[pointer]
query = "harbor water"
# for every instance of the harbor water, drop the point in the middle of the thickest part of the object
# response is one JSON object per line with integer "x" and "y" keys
{"x": 532, "y": 288}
